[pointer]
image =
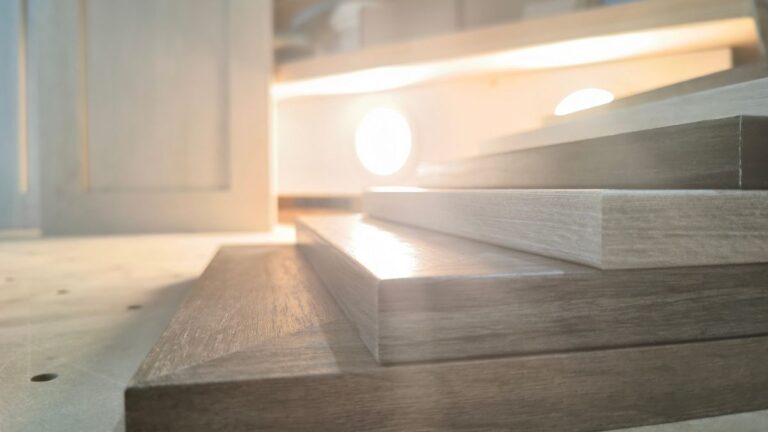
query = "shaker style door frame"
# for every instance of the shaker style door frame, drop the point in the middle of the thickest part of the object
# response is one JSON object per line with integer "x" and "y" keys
{"x": 79, "y": 193}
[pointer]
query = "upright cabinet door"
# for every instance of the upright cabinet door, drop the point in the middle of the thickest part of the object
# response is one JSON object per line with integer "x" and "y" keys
{"x": 17, "y": 186}
{"x": 152, "y": 115}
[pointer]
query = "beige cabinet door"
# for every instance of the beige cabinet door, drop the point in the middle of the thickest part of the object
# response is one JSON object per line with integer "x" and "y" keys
{"x": 17, "y": 185}
{"x": 151, "y": 115}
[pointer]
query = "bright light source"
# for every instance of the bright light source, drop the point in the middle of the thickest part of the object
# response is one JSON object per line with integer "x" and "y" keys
{"x": 317, "y": 76}
{"x": 383, "y": 141}
{"x": 583, "y": 99}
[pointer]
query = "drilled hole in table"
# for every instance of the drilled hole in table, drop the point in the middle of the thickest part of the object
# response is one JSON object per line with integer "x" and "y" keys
{"x": 62, "y": 291}
{"x": 44, "y": 377}
{"x": 134, "y": 307}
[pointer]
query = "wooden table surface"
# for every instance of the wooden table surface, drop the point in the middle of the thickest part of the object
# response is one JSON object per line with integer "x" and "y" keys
{"x": 89, "y": 309}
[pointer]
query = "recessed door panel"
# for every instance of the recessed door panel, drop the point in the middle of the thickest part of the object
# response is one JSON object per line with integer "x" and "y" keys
{"x": 152, "y": 115}
{"x": 157, "y": 94}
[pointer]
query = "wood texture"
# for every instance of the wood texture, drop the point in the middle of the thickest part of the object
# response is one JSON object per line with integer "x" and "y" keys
{"x": 231, "y": 320}
{"x": 104, "y": 109}
{"x": 416, "y": 295}
{"x": 18, "y": 171}
{"x": 607, "y": 229}
{"x": 158, "y": 119}
{"x": 695, "y": 25}
{"x": 89, "y": 309}
{"x": 728, "y": 77}
{"x": 743, "y": 98}
{"x": 320, "y": 377}
{"x": 717, "y": 154}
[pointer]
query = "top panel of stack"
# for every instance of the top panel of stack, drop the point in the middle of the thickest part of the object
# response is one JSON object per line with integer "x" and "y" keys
{"x": 727, "y": 153}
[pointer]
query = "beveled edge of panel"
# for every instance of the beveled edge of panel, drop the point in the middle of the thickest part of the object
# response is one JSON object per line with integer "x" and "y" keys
{"x": 314, "y": 311}
{"x": 357, "y": 294}
{"x": 422, "y": 253}
{"x": 429, "y": 256}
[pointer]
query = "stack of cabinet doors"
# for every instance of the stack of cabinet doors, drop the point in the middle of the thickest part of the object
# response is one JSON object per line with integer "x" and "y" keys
{"x": 596, "y": 283}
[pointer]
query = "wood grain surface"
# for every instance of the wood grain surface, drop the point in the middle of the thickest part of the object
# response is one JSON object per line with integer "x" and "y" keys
{"x": 89, "y": 309}
{"x": 320, "y": 377}
{"x": 735, "y": 75}
{"x": 416, "y": 295}
{"x": 604, "y": 228}
{"x": 725, "y": 153}
{"x": 729, "y": 100}
{"x": 230, "y": 320}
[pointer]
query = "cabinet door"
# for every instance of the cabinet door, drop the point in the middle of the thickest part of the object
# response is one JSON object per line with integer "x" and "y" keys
{"x": 152, "y": 115}
{"x": 17, "y": 186}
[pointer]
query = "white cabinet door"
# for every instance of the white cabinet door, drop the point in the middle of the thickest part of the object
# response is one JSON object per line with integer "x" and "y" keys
{"x": 17, "y": 186}
{"x": 152, "y": 115}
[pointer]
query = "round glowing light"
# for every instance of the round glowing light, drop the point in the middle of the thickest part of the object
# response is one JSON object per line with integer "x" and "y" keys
{"x": 583, "y": 99}
{"x": 383, "y": 141}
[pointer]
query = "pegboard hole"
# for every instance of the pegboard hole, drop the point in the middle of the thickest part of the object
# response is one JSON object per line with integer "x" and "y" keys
{"x": 44, "y": 377}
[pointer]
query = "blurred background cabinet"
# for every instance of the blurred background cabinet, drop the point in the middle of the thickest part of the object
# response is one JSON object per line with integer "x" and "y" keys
{"x": 143, "y": 115}
{"x": 18, "y": 208}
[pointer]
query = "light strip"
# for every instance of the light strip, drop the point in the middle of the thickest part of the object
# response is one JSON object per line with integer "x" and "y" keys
{"x": 583, "y": 51}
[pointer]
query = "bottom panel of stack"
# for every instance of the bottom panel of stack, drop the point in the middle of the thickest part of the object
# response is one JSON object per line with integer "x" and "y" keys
{"x": 260, "y": 344}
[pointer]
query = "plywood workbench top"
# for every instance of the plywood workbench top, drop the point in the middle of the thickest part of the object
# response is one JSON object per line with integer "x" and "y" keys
{"x": 89, "y": 309}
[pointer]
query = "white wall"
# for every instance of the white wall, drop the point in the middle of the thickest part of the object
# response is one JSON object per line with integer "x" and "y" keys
{"x": 450, "y": 119}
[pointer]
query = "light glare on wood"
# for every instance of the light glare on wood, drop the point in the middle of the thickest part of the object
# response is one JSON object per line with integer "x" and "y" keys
{"x": 583, "y": 99}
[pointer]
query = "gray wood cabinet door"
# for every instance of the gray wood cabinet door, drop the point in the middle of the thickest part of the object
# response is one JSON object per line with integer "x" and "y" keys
{"x": 151, "y": 115}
